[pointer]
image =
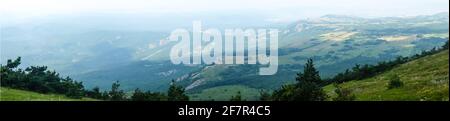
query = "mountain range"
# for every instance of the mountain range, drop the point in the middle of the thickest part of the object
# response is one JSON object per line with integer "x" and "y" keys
{"x": 140, "y": 58}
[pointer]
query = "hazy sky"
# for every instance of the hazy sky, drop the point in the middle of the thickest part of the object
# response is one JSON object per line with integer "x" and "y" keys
{"x": 280, "y": 10}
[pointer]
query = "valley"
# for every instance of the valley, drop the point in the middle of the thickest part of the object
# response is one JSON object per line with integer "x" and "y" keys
{"x": 140, "y": 58}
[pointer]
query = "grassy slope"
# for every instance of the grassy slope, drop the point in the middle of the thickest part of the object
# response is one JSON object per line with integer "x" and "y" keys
{"x": 224, "y": 93}
{"x": 8, "y": 94}
{"x": 424, "y": 79}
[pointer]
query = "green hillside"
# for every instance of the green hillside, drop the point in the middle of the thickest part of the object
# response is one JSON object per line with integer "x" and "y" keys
{"x": 8, "y": 94}
{"x": 423, "y": 79}
{"x": 224, "y": 93}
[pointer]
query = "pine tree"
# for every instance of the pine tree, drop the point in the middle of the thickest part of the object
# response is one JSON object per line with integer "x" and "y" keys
{"x": 307, "y": 87}
{"x": 138, "y": 95}
{"x": 13, "y": 64}
{"x": 176, "y": 93}
{"x": 116, "y": 94}
{"x": 310, "y": 74}
{"x": 95, "y": 93}
{"x": 76, "y": 90}
{"x": 105, "y": 95}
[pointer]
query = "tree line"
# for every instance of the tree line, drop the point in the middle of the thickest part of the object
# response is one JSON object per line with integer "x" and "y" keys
{"x": 308, "y": 86}
{"x": 40, "y": 79}
{"x": 359, "y": 72}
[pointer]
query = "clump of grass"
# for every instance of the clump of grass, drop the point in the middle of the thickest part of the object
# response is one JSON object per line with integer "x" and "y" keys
{"x": 394, "y": 82}
{"x": 343, "y": 94}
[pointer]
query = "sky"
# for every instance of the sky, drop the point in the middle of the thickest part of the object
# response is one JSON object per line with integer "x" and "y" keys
{"x": 279, "y": 10}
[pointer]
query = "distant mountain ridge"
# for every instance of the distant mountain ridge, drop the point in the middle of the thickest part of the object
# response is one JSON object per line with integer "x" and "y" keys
{"x": 139, "y": 58}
